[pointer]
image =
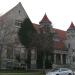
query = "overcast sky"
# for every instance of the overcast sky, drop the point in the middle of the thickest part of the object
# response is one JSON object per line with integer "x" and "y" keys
{"x": 60, "y": 12}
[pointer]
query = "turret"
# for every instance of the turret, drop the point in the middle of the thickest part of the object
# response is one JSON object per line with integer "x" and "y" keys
{"x": 46, "y": 23}
{"x": 71, "y": 28}
{"x": 70, "y": 43}
{"x": 71, "y": 31}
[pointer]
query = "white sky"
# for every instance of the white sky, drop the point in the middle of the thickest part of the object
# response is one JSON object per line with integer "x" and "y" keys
{"x": 60, "y": 12}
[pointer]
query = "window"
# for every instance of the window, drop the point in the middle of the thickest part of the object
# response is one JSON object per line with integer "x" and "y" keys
{"x": 73, "y": 58}
{"x": 47, "y": 27}
{"x": 9, "y": 52}
{"x": 56, "y": 39}
{"x": 19, "y": 11}
{"x": 33, "y": 54}
{"x": 18, "y": 23}
{"x": 69, "y": 45}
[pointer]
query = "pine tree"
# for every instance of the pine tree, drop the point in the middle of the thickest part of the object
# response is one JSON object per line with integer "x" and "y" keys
{"x": 25, "y": 32}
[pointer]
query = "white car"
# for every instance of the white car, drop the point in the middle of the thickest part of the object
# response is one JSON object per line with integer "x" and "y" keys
{"x": 60, "y": 71}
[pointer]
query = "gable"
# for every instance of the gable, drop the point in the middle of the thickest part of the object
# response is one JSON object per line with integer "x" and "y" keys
{"x": 15, "y": 11}
{"x": 8, "y": 23}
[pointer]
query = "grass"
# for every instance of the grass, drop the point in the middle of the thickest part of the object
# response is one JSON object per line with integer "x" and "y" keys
{"x": 35, "y": 73}
{"x": 21, "y": 72}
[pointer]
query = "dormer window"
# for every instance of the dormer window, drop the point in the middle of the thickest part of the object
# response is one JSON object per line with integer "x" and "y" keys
{"x": 47, "y": 26}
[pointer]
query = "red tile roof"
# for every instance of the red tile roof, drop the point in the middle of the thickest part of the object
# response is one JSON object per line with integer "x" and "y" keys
{"x": 61, "y": 34}
{"x": 45, "y": 19}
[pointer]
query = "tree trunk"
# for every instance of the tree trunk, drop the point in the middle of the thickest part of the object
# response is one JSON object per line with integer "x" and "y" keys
{"x": 44, "y": 62}
{"x": 28, "y": 59}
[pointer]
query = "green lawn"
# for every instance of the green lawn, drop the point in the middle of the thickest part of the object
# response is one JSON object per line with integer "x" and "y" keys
{"x": 21, "y": 73}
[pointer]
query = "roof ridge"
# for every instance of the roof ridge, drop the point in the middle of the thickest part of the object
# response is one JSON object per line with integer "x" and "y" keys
{"x": 59, "y": 29}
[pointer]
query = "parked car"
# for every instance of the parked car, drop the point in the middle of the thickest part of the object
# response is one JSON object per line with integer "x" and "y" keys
{"x": 60, "y": 71}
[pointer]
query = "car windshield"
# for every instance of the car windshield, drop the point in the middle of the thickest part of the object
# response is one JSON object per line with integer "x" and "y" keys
{"x": 53, "y": 70}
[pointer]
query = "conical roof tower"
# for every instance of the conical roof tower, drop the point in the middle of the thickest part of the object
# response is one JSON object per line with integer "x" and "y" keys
{"x": 45, "y": 20}
{"x": 72, "y": 27}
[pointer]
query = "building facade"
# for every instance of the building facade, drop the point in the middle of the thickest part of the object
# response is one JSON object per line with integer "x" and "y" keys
{"x": 10, "y": 46}
{"x": 11, "y": 50}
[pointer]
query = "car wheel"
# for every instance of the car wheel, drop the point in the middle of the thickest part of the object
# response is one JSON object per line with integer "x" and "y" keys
{"x": 57, "y": 74}
{"x": 69, "y": 74}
